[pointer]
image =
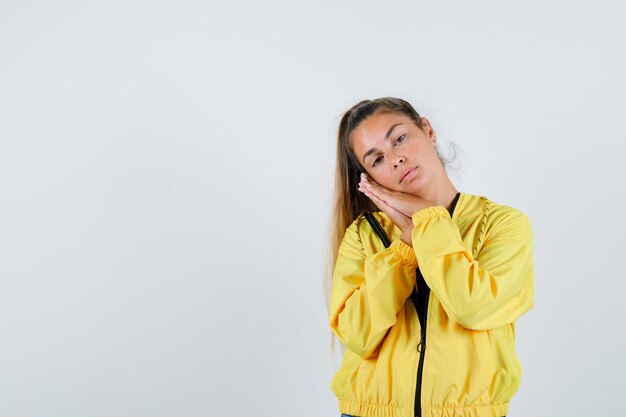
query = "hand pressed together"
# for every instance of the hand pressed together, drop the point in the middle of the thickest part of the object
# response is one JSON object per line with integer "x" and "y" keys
{"x": 397, "y": 205}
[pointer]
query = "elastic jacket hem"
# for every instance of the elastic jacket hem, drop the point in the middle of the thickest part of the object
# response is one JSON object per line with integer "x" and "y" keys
{"x": 356, "y": 408}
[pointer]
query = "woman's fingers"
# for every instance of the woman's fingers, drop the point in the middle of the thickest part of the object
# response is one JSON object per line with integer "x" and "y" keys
{"x": 405, "y": 203}
{"x": 377, "y": 187}
{"x": 399, "y": 218}
{"x": 372, "y": 196}
{"x": 379, "y": 191}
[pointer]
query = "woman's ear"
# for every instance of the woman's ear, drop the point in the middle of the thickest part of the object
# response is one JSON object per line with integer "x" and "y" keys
{"x": 428, "y": 129}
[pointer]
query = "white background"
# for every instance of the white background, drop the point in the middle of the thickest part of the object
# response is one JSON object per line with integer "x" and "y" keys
{"x": 165, "y": 182}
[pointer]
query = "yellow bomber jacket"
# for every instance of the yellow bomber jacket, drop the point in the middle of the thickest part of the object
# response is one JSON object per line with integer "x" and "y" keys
{"x": 478, "y": 266}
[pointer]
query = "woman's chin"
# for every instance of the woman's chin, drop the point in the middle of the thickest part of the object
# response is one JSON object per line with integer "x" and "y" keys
{"x": 414, "y": 187}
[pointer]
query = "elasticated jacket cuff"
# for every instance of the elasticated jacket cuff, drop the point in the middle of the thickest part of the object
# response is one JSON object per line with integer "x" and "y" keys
{"x": 432, "y": 212}
{"x": 404, "y": 252}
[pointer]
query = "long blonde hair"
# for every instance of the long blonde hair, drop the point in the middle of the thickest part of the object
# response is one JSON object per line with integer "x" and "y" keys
{"x": 348, "y": 202}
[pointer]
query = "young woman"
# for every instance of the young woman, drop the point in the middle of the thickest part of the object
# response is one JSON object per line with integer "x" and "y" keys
{"x": 427, "y": 281}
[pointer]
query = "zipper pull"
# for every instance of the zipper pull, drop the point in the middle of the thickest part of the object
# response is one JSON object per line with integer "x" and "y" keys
{"x": 421, "y": 346}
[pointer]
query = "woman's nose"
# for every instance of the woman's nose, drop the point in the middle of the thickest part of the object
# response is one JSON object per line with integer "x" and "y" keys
{"x": 398, "y": 161}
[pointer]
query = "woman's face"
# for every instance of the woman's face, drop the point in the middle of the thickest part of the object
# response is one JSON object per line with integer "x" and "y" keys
{"x": 396, "y": 153}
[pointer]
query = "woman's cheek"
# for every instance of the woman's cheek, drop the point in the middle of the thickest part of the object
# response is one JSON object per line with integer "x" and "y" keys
{"x": 387, "y": 182}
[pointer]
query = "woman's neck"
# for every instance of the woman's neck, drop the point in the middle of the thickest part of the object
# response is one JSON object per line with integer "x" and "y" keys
{"x": 442, "y": 194}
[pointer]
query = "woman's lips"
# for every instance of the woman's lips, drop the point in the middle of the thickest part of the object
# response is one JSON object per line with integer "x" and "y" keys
{"x": 408, "y": 174}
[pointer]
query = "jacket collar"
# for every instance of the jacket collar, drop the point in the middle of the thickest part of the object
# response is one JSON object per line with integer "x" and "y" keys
{"x": 468, "y": 205}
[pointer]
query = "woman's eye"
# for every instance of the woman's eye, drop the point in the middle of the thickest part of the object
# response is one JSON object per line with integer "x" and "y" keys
{"x": 376, "y": 161}
{"x": 400, "y": 138}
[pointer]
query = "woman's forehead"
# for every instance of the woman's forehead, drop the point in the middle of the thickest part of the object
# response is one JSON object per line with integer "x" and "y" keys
{"x": 376, "y": 127}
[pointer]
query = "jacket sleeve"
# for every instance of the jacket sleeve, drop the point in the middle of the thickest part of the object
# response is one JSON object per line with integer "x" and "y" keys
{"x": 483, "y": 293}
{"x": 368, "y": 291}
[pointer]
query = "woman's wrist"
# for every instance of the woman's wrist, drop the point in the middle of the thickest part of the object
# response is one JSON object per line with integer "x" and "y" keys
{"x": 406, "y": 237}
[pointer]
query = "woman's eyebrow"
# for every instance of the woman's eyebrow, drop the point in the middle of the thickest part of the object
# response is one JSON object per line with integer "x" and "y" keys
{"x": 371, "y": 151}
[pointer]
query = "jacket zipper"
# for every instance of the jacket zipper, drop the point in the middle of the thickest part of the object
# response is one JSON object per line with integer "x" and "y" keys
{"x": 420, "y": 300}
{"x": 421, "y": 288}
{"x": 420, "y": 296}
